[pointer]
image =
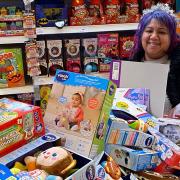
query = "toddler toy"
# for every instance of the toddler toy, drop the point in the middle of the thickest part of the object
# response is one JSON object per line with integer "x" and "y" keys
{"x": 54, "y": 161}
{"x": 112, "y": 168}
{"x": 138, "y": 125}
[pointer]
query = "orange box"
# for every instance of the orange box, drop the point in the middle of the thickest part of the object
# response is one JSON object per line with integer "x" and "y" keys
{"x": 19, "y": 124}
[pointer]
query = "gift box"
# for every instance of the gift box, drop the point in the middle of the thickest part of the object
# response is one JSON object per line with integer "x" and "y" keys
{"x": 19, "y": 124}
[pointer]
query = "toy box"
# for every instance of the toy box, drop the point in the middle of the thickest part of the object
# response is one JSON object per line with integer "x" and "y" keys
{"x": 48, "y": 12}
{"x": 170, "y": 152}
{"x": 19, "y": 124}
{"x": 78, "y": 110}
{"x": 85, "y": 167}
{"x": 170, "y": 128}
{"x": 125, "y": 109}
{"x": 119, "y": 133}
{"x": 134, "y": 159}
{"x": 11, "y": 68}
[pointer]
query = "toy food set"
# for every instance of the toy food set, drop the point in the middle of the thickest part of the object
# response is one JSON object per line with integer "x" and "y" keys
{"x": 55, "y": 56}
{"x": 107, "y": 50}
{"x": 33, "y": 68}
{"x": 73, "y": 62}
{"x": 45, "y": 157}
{"x": 134, "y": 159}
{"x": 170, "y": 152}
{"x": 50, "y": 11}
{"x": 170, "y": 128}
{"x": 41, "y": 48}
{"x": 126, "y": 44}
{"x": 120, "y": 133}
{"x": 90, "y": 55}
{"x": 19, "y": 124}
{"x": 78, "y": 110}
{"x": 11, "y": 68}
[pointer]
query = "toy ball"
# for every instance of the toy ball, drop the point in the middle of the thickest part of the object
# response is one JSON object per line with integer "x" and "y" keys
{"x": 94, "y": 67}
{"x": 138, "y": 125}
{"x": 112, "y": 168}
{"x": 88, "y": 68}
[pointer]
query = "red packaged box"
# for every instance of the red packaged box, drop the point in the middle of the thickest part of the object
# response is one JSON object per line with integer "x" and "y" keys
{"x": 19, "y": 124}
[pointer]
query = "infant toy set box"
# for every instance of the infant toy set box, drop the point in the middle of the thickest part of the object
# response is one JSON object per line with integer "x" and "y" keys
{"x": 45, "y": 159}
{"x": 78, "y": 110}
{"x": 19, "y": 124}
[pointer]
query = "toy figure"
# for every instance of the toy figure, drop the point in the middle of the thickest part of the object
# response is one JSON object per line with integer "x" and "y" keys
{"x": 54, "y": 161}
{"x": 112, "y": 168}
{"x": 72, "y": 113}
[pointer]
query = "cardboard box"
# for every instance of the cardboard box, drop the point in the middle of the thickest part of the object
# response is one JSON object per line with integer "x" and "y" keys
{"x": 83, "y": 127}
{"x": 122, "y": 73}
{"x": 134, "y": 159}
{"x": 125, "y": 109}
{"x": 119, "y": 133}
{"x": 19, "y": 124}
{"x": 85, "y": 166}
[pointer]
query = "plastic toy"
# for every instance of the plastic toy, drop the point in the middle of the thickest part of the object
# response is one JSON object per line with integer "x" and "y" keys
{"x": 112, "y": 168}
{"x": 138, "y": 125}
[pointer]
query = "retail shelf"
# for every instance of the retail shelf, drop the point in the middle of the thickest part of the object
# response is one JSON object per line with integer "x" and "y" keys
{"x": 16, "y": 90}
{"x": 86, "y": 29}
{"x": 13, "y": 40}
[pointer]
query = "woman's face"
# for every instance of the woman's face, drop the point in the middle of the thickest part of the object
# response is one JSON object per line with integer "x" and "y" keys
{"x": 155, "y": 40}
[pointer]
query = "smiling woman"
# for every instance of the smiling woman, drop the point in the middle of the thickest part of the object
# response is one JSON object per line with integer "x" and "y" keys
{"x": 156, "y": 41}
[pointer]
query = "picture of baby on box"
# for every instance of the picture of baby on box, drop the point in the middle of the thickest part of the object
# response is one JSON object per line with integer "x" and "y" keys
{"x": 72, "y": 114}
{"x": 74, "y": 109}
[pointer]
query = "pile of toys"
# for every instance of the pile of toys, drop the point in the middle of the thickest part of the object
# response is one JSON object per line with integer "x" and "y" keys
{"x": 86, "y": 115}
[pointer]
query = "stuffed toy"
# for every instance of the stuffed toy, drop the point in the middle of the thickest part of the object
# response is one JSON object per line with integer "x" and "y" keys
{"x": 55, "y": 161}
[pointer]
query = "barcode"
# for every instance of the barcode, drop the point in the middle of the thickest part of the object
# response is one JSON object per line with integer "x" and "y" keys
{"x": 115, "y": 72}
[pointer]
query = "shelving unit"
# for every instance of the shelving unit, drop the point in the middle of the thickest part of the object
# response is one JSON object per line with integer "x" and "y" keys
{"x": 16, "y": 90}
{"x": 13, "y": 40}
{"x": 64, "y": 30}
{"x": 87, "y": 29}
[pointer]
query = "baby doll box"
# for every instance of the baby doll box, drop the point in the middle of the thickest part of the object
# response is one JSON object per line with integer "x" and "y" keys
{"x": 83, "y": 125}
{"x": 85, "y": 166}
{"x": 19, "y": 124}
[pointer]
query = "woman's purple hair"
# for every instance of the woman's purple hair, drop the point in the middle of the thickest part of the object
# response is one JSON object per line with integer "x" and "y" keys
{"x": 161, "y": 16}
